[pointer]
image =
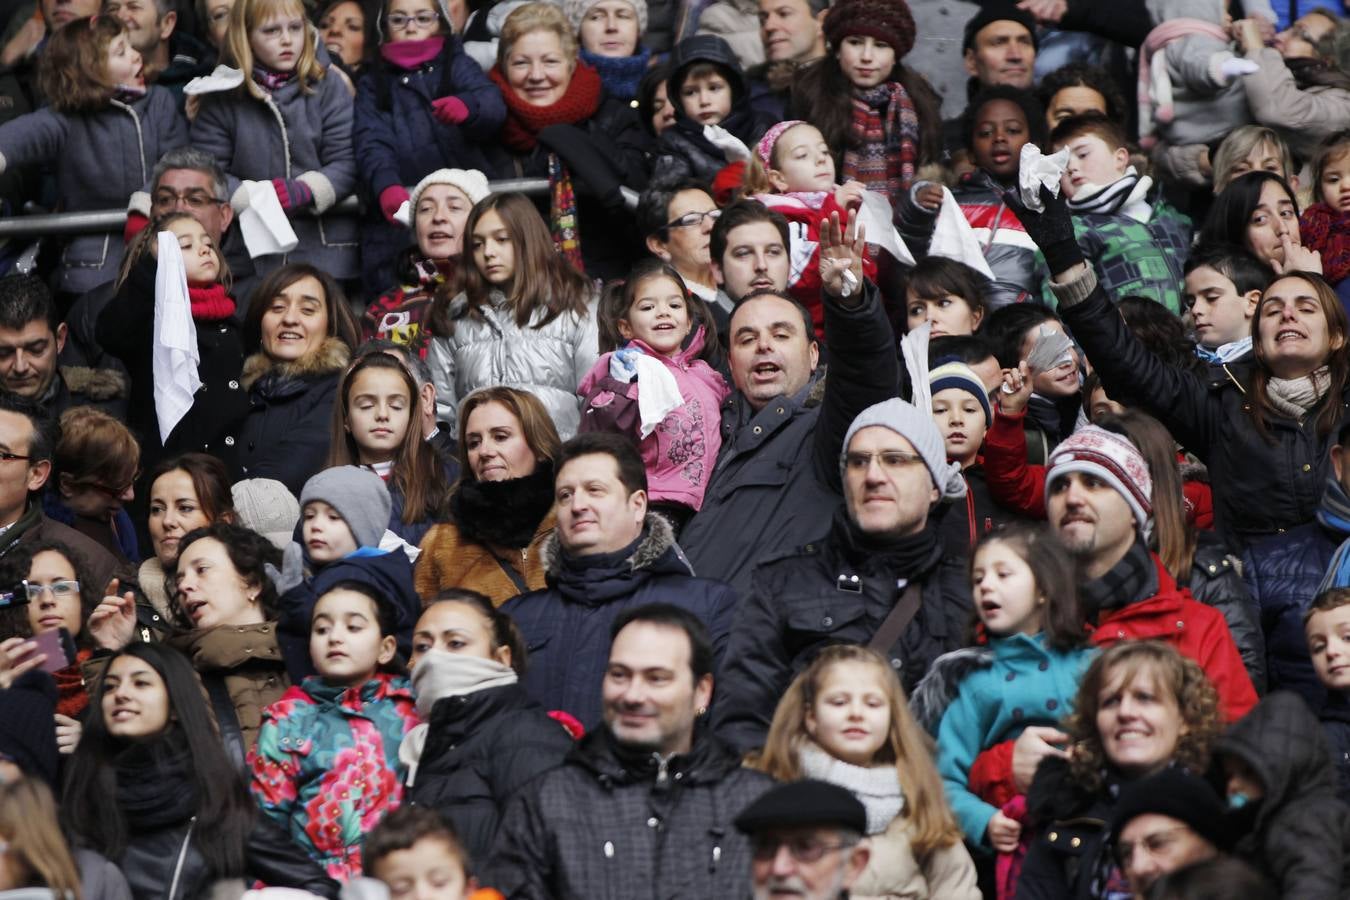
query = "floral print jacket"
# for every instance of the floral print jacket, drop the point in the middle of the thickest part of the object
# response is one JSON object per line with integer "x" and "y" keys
{"x": 326, "y": 765}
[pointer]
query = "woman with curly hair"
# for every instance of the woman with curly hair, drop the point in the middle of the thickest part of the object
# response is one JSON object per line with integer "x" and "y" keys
{"x": 1141, "y": 708}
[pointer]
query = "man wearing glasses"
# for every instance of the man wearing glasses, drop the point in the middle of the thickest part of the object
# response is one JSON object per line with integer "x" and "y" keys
{"x": 877, "y": 575}
{"x": 27, "y": 441}
{"x": 1166, "y": 822}
{"x": 806, "y": 841}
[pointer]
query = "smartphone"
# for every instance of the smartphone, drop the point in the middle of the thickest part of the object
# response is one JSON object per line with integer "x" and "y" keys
{"x": 57, "y": 646}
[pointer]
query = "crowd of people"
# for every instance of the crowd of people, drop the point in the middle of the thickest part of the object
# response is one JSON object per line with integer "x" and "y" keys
{"x": 871, "y": 458}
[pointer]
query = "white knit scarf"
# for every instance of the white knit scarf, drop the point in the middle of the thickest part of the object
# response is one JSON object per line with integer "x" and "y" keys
{"x": 1295, "y": 396}
{"x": 441, "y": 674}
{"x": 878, "y": 787}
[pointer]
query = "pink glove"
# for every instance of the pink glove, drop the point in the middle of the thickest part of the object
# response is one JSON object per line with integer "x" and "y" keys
{"x": 391, "y": 198}
{"x": 449, "y": 110}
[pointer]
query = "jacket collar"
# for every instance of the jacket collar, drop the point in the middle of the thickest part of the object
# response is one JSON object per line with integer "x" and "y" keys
{"x": 351, "y": 698}
{"x": 656, "y": 539}
{"x": 708, "y": 761}
{"x": 329, "y": 358}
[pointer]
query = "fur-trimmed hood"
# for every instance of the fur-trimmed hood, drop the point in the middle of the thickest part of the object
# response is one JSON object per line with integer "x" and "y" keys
{"x": 330, "y": 358}
{"x": 602, "y": 577}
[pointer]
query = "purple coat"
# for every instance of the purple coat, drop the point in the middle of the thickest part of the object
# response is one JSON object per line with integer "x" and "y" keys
{"x": 680, "y": 454}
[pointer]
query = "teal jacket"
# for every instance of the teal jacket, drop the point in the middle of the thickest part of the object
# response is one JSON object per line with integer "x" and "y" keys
{"x": 1028, "y": 683}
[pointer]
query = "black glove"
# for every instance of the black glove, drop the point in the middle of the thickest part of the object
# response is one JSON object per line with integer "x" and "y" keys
{"x": 1052, "y": 230}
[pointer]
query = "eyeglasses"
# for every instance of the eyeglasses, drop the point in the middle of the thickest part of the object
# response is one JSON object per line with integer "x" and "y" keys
{"x": 690, "y": 219}
{"x": 6, "y": 456}
{"x": 61, "y": 590}
{"x": 400, "y": 21}
{"x": 196, "y": 198}
{"x": 112, "y": 492}
{"x": 890, "y": 459}
{"x": 803, "y": 849}
{"x": 1152, "y": 844}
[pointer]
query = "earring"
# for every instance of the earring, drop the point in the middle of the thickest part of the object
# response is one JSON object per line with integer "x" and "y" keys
{"x": 702, "y": 711}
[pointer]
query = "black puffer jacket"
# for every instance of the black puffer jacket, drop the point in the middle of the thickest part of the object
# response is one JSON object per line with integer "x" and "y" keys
{"x": 1067, "y": 858}
{"x": 1260, "y": 486}
{"x": 1301, "y": 833}
{"x": 285, "y": 435}
{"x": 777, "y": 477}
{"x": 566, "y": 625}
{"x": 481, "y": 748}
{"x": 1216, "y": 581}
{"x": 616, "y": 825}
{"x": 1336, "y": 725}
{"x": 126, "y": 330}
{"x": 832, "y": 591}
{"x": 603, "y": 153}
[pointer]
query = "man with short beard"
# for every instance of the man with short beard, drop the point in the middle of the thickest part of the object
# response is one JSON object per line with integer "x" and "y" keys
{"x": 1098, "y": 499}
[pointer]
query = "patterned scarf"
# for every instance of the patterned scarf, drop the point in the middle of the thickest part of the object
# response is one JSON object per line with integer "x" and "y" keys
{"x": 524, "y": 121}
{"x": 269, "y": 79}
{"x": 562, "y": 213}
{"x": 620, "y": 74}
{"x": 883, "y": 138}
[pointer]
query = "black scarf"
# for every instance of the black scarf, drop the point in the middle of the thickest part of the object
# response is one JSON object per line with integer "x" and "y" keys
{"x": 155, "y": 782}
{"x": 503, "y": 513}
{"x": 1131, "y": 580}
{"x": 907, "y": 556}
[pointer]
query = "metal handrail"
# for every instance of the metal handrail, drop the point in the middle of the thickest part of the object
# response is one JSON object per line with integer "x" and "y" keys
{"x": 113, "y": 220}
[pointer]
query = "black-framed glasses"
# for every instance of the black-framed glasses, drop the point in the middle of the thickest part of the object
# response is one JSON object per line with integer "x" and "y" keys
{"x": 400, "y": 21}
{"x": 61, "y": 590}
{"x": 803, "y": 848}
{"x": 195, "y": 198}
{"x": 690, "y": 219}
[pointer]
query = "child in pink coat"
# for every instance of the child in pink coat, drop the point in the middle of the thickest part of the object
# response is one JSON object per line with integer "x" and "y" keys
{"x": 659, "y": 385}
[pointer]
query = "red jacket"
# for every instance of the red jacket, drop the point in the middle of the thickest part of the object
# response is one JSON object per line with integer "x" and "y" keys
{"x": 1017, "y": 485}
{"x": 1198, "y": 631}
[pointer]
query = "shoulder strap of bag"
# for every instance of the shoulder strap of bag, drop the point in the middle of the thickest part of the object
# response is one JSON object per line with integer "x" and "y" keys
{"x": 227, "y": 720}
{"x": 510, "y": 570}
{"x": 897, "y": 620}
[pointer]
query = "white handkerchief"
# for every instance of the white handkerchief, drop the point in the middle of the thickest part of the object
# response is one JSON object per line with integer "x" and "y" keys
{"x": 878, "y": 223}
{"x": 404, "y": 213}
{"x": 263, "y": 222}
{"x": 727, "y": 142}
{"x": 173, "y": 355}
{"x": 658, "y": 395}
{"x": 914, "y": 349}
{"x": 223, "y": 78}
{"x": 1035, "y": 169}
{"x": 955, "y": 239}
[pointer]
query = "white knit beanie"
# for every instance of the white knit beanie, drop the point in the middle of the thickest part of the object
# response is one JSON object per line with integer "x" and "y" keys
{"x": 471, "y": 182}
{"x": 917, "y": 428}
{"x": 576, "y": 10}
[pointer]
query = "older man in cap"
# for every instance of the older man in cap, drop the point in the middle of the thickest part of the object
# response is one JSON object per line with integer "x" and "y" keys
{"x": 806, "y": 840}
{"x": 1165, "y": 822}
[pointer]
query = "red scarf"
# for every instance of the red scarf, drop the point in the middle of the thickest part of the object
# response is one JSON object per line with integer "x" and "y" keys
{"x": 524, "y": 121}
{"x": 209, "y": 302}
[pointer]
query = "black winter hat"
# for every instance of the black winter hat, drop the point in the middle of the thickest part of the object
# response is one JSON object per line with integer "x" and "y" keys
{"x": 28, "y": 725}
{"x": 707, "y": 48}
{"x": 804, "y": 803}
{"x": 1178, "y": 794}
{"x": 998, "y": 12}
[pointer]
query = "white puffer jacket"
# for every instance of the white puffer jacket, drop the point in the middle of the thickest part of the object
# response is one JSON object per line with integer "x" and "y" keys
{"x": 549, "y": 362}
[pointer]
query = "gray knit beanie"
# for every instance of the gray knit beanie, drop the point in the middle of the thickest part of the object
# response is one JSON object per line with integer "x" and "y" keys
{"x": 358, "y": 495}
{"x": 919, "y": 429}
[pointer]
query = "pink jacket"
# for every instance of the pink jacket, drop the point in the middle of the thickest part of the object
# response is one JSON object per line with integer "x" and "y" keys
{"x": 680, "y": 454}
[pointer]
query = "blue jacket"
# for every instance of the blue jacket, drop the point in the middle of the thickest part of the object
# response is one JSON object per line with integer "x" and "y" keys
{"x": 101, "y": 159}
{"x": 398, "y": 141}
{"x": 1283, "y": 572}
{"x": 566, "y": 625}
{"x": 1027, "y": 683}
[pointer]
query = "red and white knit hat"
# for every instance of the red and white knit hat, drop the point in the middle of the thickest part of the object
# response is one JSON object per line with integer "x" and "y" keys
{"x": 1112, "y": 458}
